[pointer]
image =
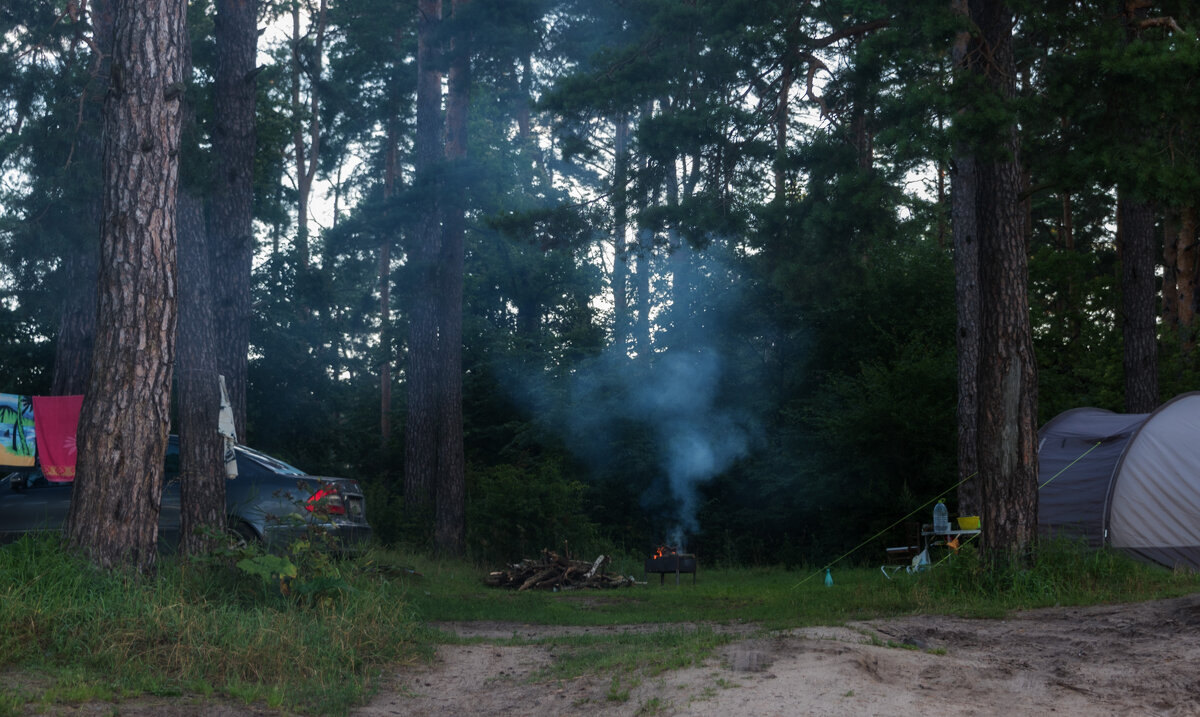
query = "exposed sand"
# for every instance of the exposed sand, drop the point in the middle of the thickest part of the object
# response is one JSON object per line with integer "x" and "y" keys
{"x": 1135, "y": 659}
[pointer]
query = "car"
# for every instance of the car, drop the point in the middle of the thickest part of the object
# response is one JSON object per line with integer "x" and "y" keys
{"x": 269, "y": 501}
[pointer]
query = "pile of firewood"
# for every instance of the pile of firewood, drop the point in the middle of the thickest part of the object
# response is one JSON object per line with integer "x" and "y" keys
{"x": 553, "y": 571}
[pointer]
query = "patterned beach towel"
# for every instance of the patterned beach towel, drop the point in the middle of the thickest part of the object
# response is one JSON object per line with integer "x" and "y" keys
{"x": 57, "y": 419}
{"x": 17, "y": 444}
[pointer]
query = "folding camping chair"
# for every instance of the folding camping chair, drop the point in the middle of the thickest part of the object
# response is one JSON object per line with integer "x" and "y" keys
{"x": 911, "y": 557}
{"x": 919, "y": 562}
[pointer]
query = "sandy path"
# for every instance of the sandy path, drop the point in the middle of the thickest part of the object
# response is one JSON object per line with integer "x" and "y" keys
{"x": 1136, "y": 659}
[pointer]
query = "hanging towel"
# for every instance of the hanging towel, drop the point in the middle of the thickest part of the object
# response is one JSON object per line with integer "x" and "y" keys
{"x": 226, "y": 429}
{"x": 17, "y": 445}
{"x": 57, "y": 418}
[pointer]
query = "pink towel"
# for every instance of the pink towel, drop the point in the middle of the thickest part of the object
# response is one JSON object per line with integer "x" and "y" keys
{"x": 55, "y": 419}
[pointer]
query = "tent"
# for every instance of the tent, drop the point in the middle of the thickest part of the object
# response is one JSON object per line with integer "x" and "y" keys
{"x": 1131, "y": 481}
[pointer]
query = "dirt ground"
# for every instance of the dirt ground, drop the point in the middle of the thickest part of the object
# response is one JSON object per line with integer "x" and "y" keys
{"x": 1135, "y": 659}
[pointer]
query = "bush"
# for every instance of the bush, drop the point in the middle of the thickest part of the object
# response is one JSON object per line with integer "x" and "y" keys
{"x": 514, "y": 512}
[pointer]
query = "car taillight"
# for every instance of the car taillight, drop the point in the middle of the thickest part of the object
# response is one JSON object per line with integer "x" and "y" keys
{"x": 328, "y": 500}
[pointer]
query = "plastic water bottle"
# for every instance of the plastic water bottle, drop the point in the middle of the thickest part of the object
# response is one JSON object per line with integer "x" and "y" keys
{"x": 941, "y": 518}
{"x": 828, "y": 579}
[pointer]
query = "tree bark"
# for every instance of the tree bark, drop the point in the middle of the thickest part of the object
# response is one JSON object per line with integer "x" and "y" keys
{"x": 306, "y": 152}
{"x": 966, "y": 279}
{"x": 965, "y": 236}
{"x": 620, "y": 203}
{"x": 75, "y": 342}
{"x": 450, "y": 530}
{"x": 201, "y": 447}
{"x": 390, "y": 173}
{"x": 1135, "y": 232}
{"x": 231, "y": 205}
{"x": 782, "y": 118}
{"x": 645, "y": 251}
{"x": 421, "y": 428}
{"x": 1185, "y": 277}
{"x": 1170, "y": 289}
{"x": 1007, "y": 372}
{"x": 125, "y": 417}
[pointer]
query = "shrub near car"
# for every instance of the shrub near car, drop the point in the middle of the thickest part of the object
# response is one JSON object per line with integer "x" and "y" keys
{"x": 269, "y": 501}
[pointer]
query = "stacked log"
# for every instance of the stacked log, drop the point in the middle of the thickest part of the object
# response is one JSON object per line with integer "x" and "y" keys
{"x": 552, "y": 571}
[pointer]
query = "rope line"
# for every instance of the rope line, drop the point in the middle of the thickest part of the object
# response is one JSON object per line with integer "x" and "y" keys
{"x": 858, "y": 547}
{"x": 1070, "y": 464}
{"x": 925, "y": 505}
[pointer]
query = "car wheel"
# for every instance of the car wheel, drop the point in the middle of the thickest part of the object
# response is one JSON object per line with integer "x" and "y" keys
{"x": 241, "y": 535}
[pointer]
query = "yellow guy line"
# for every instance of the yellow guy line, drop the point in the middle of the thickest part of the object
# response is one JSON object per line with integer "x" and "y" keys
{"x": 858, "y": 547}
{"x": 861, "y": 545}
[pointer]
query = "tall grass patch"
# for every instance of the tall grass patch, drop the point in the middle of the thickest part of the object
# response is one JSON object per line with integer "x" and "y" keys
{"x": 1062, "y": 572}
{"x": 196, "y": 628}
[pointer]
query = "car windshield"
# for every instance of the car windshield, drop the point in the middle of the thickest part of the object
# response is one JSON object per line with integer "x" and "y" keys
{"x": 273, "y": 464}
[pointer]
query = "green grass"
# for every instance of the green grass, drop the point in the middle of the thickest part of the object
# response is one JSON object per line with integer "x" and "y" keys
{"x": 774, "y": 598}
{"x": 198, "y": 631}
{"x": 195, "y": 629}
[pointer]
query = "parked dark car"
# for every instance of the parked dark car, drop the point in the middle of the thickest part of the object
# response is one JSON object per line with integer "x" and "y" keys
{"x": 269, "y": 501}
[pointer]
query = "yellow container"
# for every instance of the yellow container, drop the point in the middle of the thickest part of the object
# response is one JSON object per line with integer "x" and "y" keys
{"x": 968, "y": 522}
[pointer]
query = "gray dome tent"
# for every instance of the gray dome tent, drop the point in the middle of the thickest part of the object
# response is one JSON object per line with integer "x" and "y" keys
{"x": 1129, "y": 480}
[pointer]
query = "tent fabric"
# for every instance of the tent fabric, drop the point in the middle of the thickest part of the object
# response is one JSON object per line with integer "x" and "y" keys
{"x": 1131, "y": 481}
{"x": 1154, "y": 510}
{"x": 1077, "y": 453}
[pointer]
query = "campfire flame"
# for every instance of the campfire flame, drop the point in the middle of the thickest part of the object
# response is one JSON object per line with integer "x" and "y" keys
{"x": 663, "y": 551}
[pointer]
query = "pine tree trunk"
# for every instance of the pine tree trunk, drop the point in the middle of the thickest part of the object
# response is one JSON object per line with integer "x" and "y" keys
{"x": 966, "y": 276}
{"x": 201, "y": 448}
{"x": 306, "y": 150}
{"x": 620, "y": 203}
{"x": 1135, "y": 232}
{"x": 1185, "y": 277}
{"x": 1170, "y": 289}
{"x": 450, "y": 527}
{"x": 782, "y": 117}
{"x": 125, "y": 417}
{"x": 1007, "y": 372}
{"x": 76, "y": 337}
{"x": 231, "y": 206}
{"x": 390, "y": 174}
{"x": 965, "y": 231}
{"x": 421, "y": 428}
{"x": 641, "y": 279}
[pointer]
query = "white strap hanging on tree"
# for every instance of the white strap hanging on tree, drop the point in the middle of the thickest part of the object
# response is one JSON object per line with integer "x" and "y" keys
{"x": 226, "y": 429}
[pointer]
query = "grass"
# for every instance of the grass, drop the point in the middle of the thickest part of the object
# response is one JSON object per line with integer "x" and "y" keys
{"x": 195, "y": 629}
{"x": 773, "y": 598}
{"x": 201, "y": 631}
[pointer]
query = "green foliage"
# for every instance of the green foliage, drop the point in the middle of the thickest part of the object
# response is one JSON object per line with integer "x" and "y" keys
{"x": 271, "y": 568}
{"x": 514, "y": 512}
